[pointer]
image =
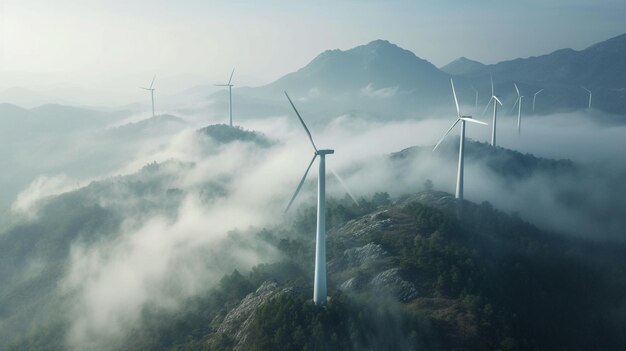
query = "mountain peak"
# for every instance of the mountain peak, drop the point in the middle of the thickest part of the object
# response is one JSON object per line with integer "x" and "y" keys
{"x": 380, "y": 43}
{"x": 378, "y": 64}
{"x": 462, "y": 66}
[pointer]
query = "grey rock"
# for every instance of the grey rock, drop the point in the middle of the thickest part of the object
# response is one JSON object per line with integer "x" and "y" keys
{"x": 390, "y": 282}
{"x": 348, "y": 285}
{"x": 237, "y": 322}
{"x": 364, "y": 255}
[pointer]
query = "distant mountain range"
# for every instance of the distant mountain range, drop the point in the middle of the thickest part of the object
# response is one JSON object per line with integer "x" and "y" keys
{"x": 600, "y": 68}
{"x": 385, "y": 80}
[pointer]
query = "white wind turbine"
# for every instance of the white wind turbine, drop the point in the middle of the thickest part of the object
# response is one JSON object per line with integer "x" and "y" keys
{"x": 476, "y": 100}
{"x": 535, "y": 98}
{"x": 496, "y": 101}
{"x": 462, "y": 119}
{"x": 151, "y": 90}
{"x": 230, "y": 95}
{"x": 319, "y": 283}
{"x": 589, "y": 91}
{"x": 518, "y": 102}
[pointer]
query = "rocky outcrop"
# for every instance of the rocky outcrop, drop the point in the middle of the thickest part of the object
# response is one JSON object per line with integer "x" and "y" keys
{"x": 355, "y": 257}
{"x": 364, "y": 255}
{"x": 238, "y": 320}
{"x": 390, "y": 282}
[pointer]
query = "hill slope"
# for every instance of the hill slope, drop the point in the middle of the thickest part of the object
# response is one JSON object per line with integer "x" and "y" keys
{"x": 410, "y": 275}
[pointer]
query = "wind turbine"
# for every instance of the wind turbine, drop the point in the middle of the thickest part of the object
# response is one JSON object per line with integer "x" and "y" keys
{"x": 319, "y": 283}
{"x": 230, "y": 95}
{"x": 496, "y": 101}
{"x": 151, "y": 89}
{"x": 535, "y": 97}
{"x": 462, "y": 119}
{"x": 589, "y": 91}
{"x": 518, "y": 102}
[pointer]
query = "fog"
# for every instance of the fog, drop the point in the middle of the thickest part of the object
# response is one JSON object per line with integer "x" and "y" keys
{"x": 159, "y": 257}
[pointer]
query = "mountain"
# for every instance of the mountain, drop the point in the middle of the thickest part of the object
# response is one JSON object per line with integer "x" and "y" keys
{"x": 164, "y": 124}
{"x": 404, "y": 273}
{"x": 600, "y": 67}
{"x": 379, "y": 64}
{"x": 28, "y": 98}
{"x": 462, "y": 66}
{"x": 52, "y": 120}
{"x": 566, "y": 187}
{"x": 388, "y": 81}
{"x": 378, "y": 77}
{"x": 223, "y": 134}
{"x": 408, "y": 274}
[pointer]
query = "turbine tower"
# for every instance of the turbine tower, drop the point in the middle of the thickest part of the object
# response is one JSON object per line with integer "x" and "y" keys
{"x": 319, "y": 284}
{"x": 462, "y": 119}
{"x": 518, "y": 102}
{"x": 496, "y": 101}
{"x": 151, "y": 89}
{"x": 230, "y": 95}
{"x": 535, "y": 97}
{"x": 589, "y": 91}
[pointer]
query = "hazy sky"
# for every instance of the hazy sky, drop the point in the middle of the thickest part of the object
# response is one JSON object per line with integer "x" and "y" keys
{"x": 105, "y": 40}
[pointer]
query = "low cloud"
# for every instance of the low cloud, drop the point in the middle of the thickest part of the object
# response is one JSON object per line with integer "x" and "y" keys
{"x": 162, "y": 259}
{"x": 42, "y": 187}
{"x": 382, "y": 93}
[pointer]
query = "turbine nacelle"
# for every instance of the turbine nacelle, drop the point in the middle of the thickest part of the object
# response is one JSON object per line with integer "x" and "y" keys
{"x": 324, "y": 152}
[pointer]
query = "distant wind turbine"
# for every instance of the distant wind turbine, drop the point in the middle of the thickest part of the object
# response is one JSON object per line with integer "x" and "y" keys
{"x": 589, "y": 91}
{"x": 535, "y": 97}
{"x": 496, "y": 101}
{"x": 476, "y": 100}
{"x": 518, "y": 102}
{"x": 462, "y": 119}
{"x": 319, "y": 284}
{"x": 230, "y": 95}
{"x": 151, "y": 89}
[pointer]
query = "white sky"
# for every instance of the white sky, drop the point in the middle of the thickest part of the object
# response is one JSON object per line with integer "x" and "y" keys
{"x": 68, "y": 42}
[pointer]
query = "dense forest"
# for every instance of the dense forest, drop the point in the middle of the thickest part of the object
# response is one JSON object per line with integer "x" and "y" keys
{"x": 412, "y": 273}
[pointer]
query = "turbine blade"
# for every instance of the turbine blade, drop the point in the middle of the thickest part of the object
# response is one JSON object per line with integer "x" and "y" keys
{"x": 516, "y": 89}
{"x": 491, "y": 78}
{"x": 444, "y": 136}
{"x": 343, "y": 184}
{"x": 515, "y": 104}
{"x": 301, "y": 121}
{"x": 301, "y": 182}
{"x": 473, "y": 120}
{"x": 152, "y": 83}
{"x": 589, "y": 91}
{"x": 539, "y": 91}
{"x": 231, "y": 76}
{"x": 221, "y": 85}
{"x": 456, "y": 102}
{"x": 486, "y": 107}
{"x": 498, "y": 100}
